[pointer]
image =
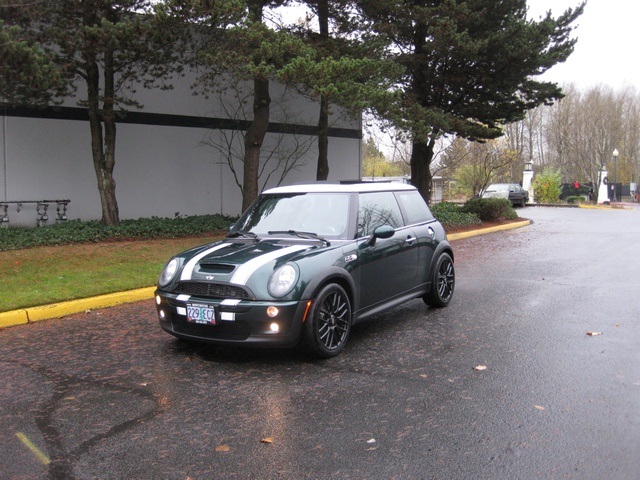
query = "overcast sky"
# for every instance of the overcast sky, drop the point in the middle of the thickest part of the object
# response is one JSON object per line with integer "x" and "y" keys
{"x": 608, "y": 41}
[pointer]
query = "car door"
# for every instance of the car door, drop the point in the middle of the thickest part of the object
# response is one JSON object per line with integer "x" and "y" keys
{"x": 388, "y": 266}
{"x": 516, "y": 194}
{"x": 419, "y": 218}
{"x": 522, "y": 193}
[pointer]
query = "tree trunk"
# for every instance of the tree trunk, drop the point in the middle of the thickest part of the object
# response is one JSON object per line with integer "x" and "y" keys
{"x": 421, "y": 157}
{"x": 322, "y": 172}
{"x": 253, "y": 140}
{"x": 103, "y": 144}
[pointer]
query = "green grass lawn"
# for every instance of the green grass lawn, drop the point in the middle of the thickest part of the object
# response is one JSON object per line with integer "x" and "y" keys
{"x": 45, "y": 275}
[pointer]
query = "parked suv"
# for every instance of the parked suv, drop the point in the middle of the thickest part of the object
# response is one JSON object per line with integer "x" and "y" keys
{"x": 305, "y": 263}
{"x": 511, "y": 191}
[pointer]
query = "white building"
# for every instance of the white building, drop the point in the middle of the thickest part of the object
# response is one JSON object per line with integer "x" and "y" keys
{"x": 170, "y": 156}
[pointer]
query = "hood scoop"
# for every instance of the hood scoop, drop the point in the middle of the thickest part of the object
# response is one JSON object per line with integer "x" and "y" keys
{"x": 216, "y": 268}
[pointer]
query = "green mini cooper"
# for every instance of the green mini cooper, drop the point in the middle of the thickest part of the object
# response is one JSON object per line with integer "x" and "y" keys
{"x": 304, "y": 263}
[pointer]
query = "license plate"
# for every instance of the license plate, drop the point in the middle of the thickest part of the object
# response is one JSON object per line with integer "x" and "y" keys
{"x": 198, "y": 313}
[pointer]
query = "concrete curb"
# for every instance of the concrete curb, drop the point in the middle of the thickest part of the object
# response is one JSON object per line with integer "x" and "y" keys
{"x": 57, "y": 310}
{"x": 615, "y": 206}
{"x": 484, "y": 231}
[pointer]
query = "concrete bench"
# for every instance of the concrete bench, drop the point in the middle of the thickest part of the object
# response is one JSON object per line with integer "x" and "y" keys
{"x": 42, "y": 206}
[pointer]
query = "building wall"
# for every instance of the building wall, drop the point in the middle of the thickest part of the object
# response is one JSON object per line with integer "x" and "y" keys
{"x": 166, "y": 160}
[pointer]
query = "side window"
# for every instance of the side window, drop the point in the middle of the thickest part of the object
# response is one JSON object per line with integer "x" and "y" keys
{"x": 414, "y": 207}
{"x": 377, "y": 209}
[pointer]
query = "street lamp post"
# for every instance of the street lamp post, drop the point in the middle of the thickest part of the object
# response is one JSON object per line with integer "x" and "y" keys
{"x": 527, "y": 177}
{"x": 615, "y": 183}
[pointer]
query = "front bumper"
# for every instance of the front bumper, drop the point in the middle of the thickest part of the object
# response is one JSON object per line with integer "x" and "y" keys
{"x": 239, "y": 321}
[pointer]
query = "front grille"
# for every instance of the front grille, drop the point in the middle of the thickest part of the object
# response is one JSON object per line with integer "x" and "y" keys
{"x": 212, "y": 290}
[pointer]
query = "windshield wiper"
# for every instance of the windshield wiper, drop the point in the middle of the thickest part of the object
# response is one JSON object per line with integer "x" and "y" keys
{"x": 307, "y": 235}
{"x": 240, "y": 233}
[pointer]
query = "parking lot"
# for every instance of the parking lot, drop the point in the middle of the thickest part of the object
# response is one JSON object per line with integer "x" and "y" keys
{"x": 531, "y": 372}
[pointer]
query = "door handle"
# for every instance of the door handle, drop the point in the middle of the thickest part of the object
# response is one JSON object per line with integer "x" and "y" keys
{"x": 410, "y": 239}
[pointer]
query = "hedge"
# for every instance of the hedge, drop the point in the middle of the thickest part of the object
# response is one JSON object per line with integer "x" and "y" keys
{"x": 75, "y": 231}
{"x": 490, "y": 209}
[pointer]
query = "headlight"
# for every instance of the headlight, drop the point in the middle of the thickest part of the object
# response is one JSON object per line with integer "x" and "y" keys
{"x": 282, "y": 281}
{"x": 169, "y": 272}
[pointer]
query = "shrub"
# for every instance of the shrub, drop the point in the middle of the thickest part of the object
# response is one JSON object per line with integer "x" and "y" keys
{"x": 490, "y": 209}
{"x": 547, "y": 186}
{"x": 75, "y": 231}
{"x": 451, "y": 215}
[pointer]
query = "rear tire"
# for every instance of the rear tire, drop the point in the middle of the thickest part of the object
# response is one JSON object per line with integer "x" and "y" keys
{"x": 327, "y": 328}
{"x": 442, "y": 283}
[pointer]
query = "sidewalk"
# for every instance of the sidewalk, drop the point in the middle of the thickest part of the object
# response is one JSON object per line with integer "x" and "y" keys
{"x": 58, "y": 310}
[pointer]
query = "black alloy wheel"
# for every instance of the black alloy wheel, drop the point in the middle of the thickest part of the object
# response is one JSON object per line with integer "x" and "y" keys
{"x": 442, "y": 283}
{"x": 329, "y": 323}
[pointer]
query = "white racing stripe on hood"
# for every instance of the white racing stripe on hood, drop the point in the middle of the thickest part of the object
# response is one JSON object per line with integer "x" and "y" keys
{"x": 187, "y": 270}
{"x": 245, "y": 270}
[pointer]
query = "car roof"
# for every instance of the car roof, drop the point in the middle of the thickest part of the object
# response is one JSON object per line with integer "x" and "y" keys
{"x": 342, "y": 188}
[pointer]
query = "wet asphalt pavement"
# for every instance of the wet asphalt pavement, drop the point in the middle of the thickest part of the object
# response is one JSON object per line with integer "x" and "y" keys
{"x": 108, "y": 395}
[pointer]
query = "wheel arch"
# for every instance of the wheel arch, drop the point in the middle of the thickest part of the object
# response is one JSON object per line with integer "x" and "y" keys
{"x": 443, "y": 247}
{"x": 331, "y": 275}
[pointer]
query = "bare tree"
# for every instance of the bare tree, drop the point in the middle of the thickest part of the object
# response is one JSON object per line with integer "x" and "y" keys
{"x": 475, "y": 165}
{"x": 527, "y": 139}
{"x": 558, "y": 130}
{"x": 281, "y": 153}
{"x": 630, "y": 141}
{"x": 577, "y": 135}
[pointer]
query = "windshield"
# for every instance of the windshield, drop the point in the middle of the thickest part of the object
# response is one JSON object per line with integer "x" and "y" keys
{"x": 498, "y": 187}
{"x": 325, "y": 214}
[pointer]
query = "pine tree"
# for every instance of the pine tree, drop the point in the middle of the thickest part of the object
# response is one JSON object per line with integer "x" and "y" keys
{"x": 470, "y": 67}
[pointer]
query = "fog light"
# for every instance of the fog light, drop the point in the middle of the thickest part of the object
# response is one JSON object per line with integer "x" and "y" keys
{"x": 272, "y": 312}
{"x": 158, "y": 300}
{"x": 274, "y": 327}
{"x": 161, "y": 313}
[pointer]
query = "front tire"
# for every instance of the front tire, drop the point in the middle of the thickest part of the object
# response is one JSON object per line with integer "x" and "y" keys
{"x": 329, "y": 323}
{"x": 442, "y": 283}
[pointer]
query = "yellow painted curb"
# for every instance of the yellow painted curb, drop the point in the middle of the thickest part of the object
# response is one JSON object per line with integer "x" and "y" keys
{"x": 484, "y": 231}
{"x": 603, "y": 207}
{"x": 11, "y": 319}
{"x": 58, "y": 310}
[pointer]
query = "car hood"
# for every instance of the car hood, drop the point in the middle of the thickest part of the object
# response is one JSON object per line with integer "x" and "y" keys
{"x": 235, "y": 262}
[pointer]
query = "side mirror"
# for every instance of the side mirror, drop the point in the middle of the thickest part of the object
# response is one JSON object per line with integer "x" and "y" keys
{"x": 385, "y": 231}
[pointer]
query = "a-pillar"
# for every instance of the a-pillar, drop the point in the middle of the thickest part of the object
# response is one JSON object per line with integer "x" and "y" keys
{"x": 603, "y": 194}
